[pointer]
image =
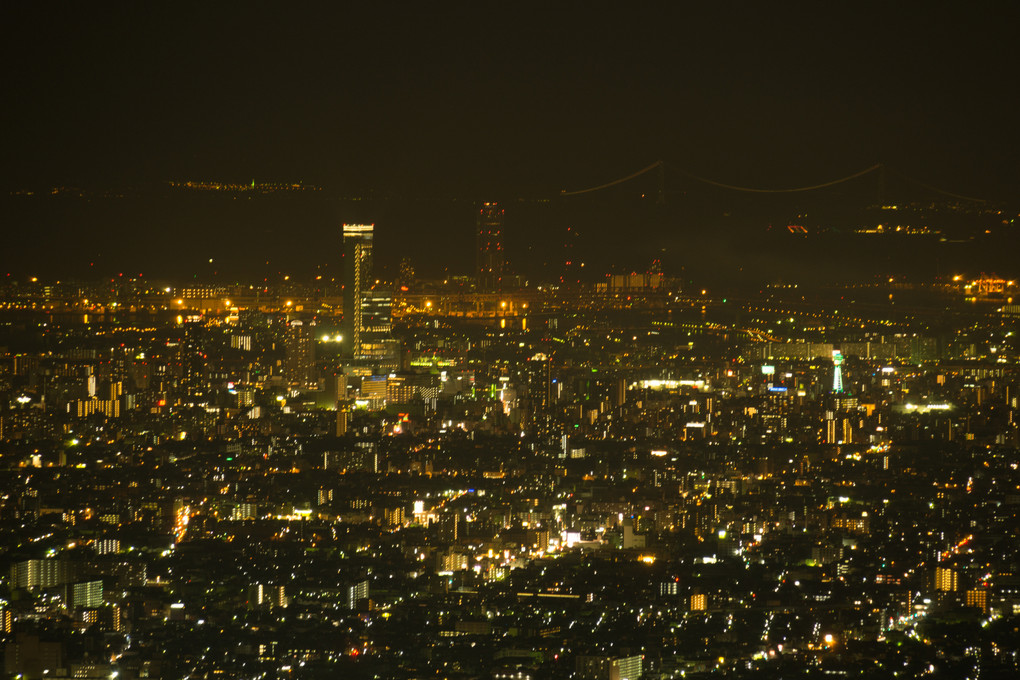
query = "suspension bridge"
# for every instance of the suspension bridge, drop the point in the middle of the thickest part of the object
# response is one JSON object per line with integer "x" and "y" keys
{"x": 660, "y": 168}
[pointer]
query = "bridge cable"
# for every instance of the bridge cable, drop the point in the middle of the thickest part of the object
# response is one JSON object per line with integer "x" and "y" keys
{"x": 755, "y": 190}
{"x": 940, "y": 191}
{"x": 783, "y": 191}
{"x": 614, "y": 182}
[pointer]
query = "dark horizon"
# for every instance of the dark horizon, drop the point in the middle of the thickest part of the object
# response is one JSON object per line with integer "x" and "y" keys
{"x": 709, "y": 237}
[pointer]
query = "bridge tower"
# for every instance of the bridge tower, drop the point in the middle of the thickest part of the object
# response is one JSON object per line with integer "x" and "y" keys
{"x": 662, "y": 184}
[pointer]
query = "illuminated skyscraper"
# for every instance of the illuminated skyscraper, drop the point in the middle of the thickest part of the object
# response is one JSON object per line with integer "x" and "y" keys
{"x": 837, "y": 372}
{"x": 357, "y": 279}
{"x": 489, "y": 241}
{"x": 376, "y": 343}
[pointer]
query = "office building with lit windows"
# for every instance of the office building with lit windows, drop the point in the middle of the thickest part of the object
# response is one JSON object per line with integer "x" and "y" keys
{"x": 357, "y": 244}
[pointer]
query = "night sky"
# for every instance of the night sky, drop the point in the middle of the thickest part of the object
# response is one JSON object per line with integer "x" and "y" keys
{"x": 479, "y": 97}
{"x": 509, "y": 100}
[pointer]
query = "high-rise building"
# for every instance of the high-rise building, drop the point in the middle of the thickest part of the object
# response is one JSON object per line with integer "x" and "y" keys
{"x": 393, "y": 516}
{"x": 357, "y": 279}
{"x": 45, "y": 573}
{"x": 608, "y": 667}
{"x": 377, "y": 343}
{"x": 699, "y": 602}
{"x": 945, "y": 579}
{"x": 88, "y": 594}
{"x": 978, "y": 597}
{"x": 538, "y": 373}
{"x": 356, "y": 591}
{"x": 241, "y": 342}
{"x": 491, "y": 259}
{"x": 406, "y": 278}
{"x": 830, "y": 428}
{"x": 300, "y": 356}
{"x": 267, "y": 596}
{"x": 447, "y": 525}
{"x": 848, "y": 431}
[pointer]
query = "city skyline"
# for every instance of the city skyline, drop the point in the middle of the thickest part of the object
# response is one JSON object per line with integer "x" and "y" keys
{"x": 626, "y": 478}
{"x": 471, "y": 341}
{"x": 154, "y": 140}
{"x": 236, "y": 232}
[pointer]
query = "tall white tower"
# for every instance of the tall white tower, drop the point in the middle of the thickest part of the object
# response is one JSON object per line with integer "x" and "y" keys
{"x": 837, "y": 371}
